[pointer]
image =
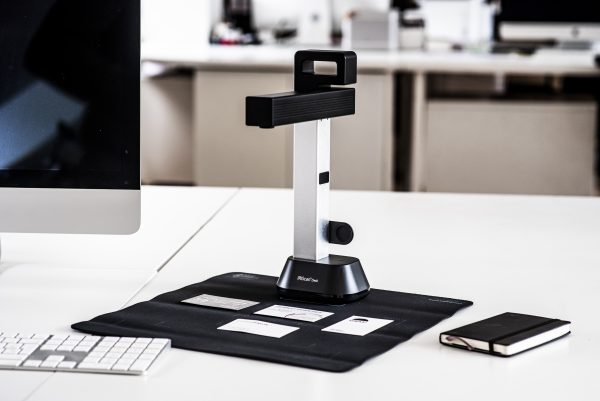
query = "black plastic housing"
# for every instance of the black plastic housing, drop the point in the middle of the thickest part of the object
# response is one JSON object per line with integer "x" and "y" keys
{"x": 332, "y": 280}
{"x": 270, "y": 111}
{"x": 340, "y": 233}
{"x": 307, "y": 80}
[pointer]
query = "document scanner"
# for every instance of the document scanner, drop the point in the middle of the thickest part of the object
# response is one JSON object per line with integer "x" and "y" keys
{"x": 312, "y": 274}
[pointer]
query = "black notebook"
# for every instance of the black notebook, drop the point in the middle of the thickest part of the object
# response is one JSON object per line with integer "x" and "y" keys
{"x": 506, "y": 334}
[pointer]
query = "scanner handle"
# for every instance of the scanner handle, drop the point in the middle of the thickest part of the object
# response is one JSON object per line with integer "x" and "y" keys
{"x": 305, "y": 78}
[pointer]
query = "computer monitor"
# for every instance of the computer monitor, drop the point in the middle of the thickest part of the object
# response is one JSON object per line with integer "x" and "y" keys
{"x": 69, "y": 116}
{"x": 549, "y": 20}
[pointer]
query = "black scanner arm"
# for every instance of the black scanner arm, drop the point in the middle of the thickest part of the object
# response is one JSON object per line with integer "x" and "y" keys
{"x": 313, "y": 97}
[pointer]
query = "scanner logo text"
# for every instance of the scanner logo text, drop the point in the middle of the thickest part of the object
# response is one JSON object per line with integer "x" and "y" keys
{"x": 307, "y": 279}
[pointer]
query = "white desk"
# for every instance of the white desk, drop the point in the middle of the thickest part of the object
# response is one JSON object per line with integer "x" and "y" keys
{"x": 169, "y": 218}
{"x": 534, "y": 255}
{"x": 280, "y": 58}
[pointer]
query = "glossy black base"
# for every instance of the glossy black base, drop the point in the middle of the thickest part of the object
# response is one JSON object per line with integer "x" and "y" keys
{"x": 332, "y": 280}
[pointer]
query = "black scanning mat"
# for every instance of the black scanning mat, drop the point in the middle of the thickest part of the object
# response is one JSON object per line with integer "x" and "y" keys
{"x": 195, "y": 327}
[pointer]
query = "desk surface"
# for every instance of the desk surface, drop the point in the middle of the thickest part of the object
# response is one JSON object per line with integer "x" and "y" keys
{"x": 535, "y": 255}
{"x": 169, "y": 219}
{"x": 281, "y": 58}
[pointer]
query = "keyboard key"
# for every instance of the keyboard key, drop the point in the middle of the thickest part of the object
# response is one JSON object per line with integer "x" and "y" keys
{"x": 12, "y": 357}
{"x": 32, "y": 363}
{"x": 10, "y": 362}
{"x": 67, "y": 365}
{"x": 10, "y": 351}
{"x": 30, "y": 341}
{"x": 88, "y": 365}
{"x": 94, "y": 366}
{"x": 52, "y": 362}
{"x": 25, "y": 335}
{"x": 123, "y": 366}
{"x": 40, "y": 336}
{"x": 105, "y": 365}
{"x": 47, "y": 347}
{"x": 67, "y": 348}
{"x": 140, "y": 366}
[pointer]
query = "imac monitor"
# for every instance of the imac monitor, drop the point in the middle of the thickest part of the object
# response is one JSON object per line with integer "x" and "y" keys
{"x": 69, "y": 116}
{"x": 550, "y": 20}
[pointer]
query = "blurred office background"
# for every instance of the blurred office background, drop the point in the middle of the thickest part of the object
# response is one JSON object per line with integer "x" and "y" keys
{"x": 452, "y": 96}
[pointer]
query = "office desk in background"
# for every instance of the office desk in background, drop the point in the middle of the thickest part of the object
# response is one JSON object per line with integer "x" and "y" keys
{"x": 410, "y": 130}
{"x": 535, "y": 255}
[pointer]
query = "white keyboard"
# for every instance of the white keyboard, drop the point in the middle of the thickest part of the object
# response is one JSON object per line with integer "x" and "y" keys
{"x": 80, "y": 353}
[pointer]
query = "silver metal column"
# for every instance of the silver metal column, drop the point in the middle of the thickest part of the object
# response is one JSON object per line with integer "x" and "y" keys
{"x": 311, "y": 199}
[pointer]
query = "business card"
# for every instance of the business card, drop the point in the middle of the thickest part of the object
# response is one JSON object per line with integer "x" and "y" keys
{"x": 357, "y": 325}
{"x": 289, "y": 312}
{"x": 259, "y": 328}
{"x": 214, "y": 301}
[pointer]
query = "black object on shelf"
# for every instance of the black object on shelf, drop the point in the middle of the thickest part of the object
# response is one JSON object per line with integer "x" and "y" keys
{"x": 239, "y": 14}
{"x": 312, "y": 274}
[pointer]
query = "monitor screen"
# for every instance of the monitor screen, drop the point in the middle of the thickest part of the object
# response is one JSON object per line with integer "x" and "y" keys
{"x": 69, "y": 94}
{"x": 553, "y": 11}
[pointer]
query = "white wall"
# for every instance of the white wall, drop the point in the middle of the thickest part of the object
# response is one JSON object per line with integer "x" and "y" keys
{"x": 176, "y": 21}
{"x": 462, "y": 21}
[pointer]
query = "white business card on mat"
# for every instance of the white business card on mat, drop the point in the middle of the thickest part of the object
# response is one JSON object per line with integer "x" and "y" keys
{"x": 214, "y": 301}
{"x": 258, "y": 327}
{"x": 289, "y": 312}
{"x": 357, "y": 325}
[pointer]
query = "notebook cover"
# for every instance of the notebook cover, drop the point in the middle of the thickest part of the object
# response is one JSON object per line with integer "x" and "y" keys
{"x": 499, "y": 326}
{"x": 524, "y": 335}
{"x": 504, "y": 329}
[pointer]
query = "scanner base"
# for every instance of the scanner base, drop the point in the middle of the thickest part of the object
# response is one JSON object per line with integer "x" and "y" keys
{"x": 332, "y": 280}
